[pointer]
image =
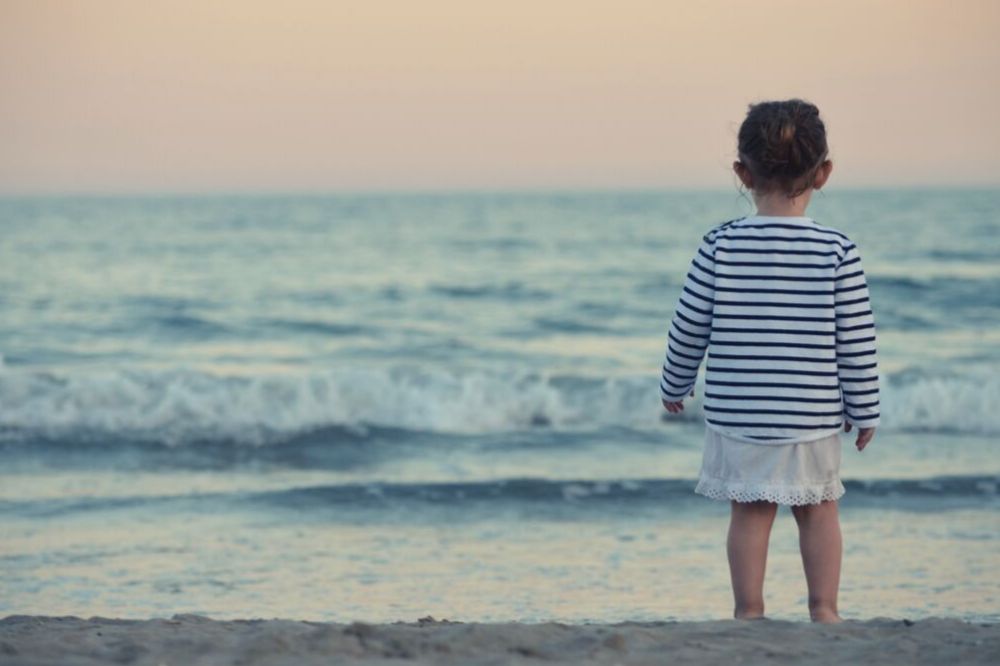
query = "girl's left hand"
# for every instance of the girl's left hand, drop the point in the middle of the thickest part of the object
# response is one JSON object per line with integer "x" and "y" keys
{"x": 674, "y": 407}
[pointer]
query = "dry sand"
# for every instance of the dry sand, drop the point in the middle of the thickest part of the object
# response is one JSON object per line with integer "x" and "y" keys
{"x": 189, "y": 640}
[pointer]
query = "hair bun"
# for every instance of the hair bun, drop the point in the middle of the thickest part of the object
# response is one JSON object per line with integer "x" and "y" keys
{"x": 783, "y": 144}
{"x": 787, "y": 133}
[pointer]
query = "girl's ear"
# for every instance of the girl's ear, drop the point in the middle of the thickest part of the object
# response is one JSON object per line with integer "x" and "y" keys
{"x": 743, "y": 173}
{"x": 822, "y": 174}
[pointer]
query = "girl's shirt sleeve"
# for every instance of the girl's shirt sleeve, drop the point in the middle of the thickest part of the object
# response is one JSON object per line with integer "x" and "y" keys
{"x": 690, "y": 327}
{"x": 857, "y": 366}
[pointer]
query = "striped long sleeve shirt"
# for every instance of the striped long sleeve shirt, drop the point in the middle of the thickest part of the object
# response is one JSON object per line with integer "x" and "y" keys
{"x": 782, "y": 308}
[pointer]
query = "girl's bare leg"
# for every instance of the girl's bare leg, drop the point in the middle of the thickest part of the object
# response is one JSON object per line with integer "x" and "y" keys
{"x": 746, "y": 545}
{"x": 821, "y": 547}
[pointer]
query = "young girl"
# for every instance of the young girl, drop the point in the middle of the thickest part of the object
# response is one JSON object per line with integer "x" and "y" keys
{"x": 780, "y": 303}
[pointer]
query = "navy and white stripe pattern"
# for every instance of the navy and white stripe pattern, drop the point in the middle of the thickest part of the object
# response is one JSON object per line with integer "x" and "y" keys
{"x": 781, "y": 306}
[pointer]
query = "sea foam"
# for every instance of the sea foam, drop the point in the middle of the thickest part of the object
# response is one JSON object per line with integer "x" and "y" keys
{"x": 182, "y": 405}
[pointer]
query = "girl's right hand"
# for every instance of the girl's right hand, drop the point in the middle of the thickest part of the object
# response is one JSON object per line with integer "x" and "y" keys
{"x": 864, "y": 436}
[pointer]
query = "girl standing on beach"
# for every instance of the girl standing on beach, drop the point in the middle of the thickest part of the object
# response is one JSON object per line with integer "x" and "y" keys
{"x": 781, "y": 305}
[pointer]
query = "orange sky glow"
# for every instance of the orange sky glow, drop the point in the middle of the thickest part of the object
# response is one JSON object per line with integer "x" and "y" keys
{"x": 243, "y": 95}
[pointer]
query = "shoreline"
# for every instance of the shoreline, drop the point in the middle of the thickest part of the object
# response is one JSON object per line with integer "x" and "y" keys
{"x": 193, "y": 639}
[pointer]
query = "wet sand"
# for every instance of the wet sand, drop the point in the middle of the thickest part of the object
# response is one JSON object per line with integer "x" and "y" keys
{"x": 192, "y": 640}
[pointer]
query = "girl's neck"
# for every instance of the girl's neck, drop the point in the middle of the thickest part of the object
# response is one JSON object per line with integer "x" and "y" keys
{"x": 778, "y": 205}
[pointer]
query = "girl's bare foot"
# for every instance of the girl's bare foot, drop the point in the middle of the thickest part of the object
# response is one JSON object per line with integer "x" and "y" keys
{"x": 748, "y": 616}
{"x": 825, "y": 615}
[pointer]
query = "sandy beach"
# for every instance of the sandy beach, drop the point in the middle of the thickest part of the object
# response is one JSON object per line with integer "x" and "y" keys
{"x": 192, "y": 640}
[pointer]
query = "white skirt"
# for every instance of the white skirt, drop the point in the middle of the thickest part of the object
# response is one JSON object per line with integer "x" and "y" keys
{"x": 803, "y": 473}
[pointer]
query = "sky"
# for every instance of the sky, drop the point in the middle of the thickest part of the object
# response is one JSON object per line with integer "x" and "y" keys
{"x": 118, "y": 96}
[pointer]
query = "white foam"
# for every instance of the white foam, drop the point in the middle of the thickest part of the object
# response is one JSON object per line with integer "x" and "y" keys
{"x": 965, "y": 403}
{"x": 184, "y": 405}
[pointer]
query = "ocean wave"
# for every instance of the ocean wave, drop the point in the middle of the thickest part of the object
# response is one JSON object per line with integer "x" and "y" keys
{"x": 948, "y": 401}
{"x": 934, "y": 493}
{"x": 182, "y": 406}
{"x": 509, "y": 291}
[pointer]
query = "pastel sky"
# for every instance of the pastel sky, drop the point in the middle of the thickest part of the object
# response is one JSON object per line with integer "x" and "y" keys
{"x": 246, "y": 95}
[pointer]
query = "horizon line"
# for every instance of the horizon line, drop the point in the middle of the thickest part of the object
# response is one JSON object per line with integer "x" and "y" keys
{"x": 444, "y": 190}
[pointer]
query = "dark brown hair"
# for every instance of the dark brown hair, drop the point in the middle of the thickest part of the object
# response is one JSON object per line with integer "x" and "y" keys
{"x": 783, "y": 144}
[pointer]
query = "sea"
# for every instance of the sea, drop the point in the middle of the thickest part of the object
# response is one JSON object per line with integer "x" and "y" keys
{"x": 386, "y": 406}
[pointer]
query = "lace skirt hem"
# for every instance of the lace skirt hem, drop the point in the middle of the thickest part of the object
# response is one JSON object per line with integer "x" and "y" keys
{"x": 799, "y": 494}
